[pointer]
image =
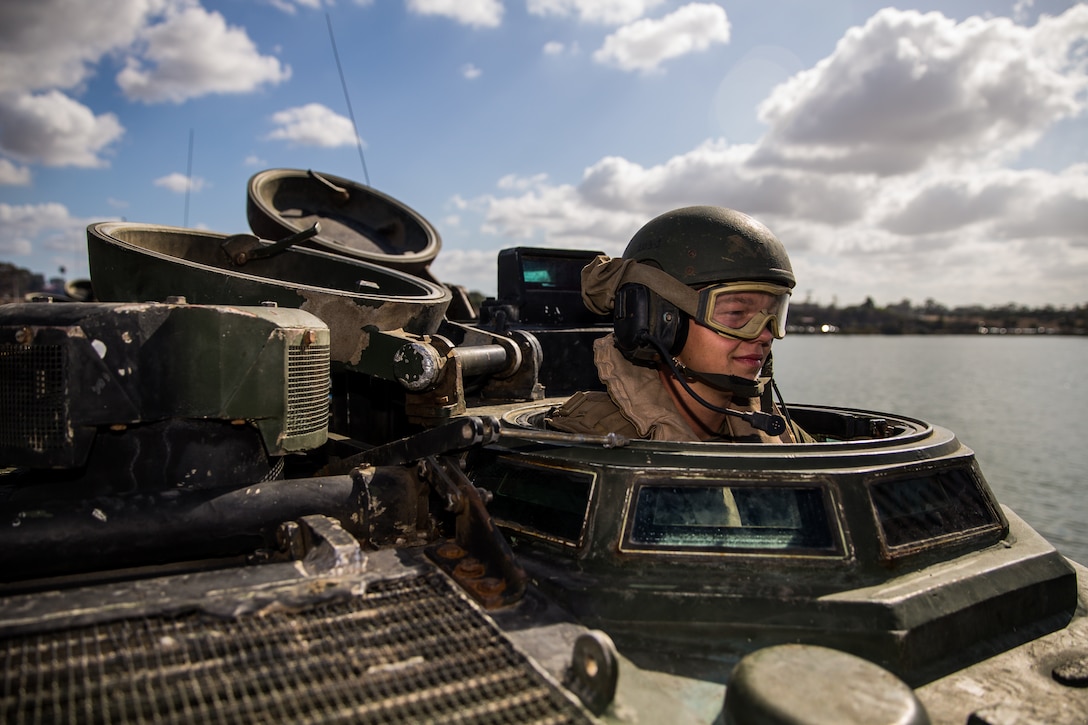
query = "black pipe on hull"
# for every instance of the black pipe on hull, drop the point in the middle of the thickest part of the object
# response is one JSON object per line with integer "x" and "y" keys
{"x": 62, "y": 537}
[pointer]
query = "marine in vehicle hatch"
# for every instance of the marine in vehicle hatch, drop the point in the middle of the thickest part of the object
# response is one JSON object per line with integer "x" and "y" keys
{"x": 697, "y": 298}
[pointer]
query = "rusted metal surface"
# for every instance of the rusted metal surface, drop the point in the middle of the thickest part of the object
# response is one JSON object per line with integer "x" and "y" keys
{"x": 399, "y": 649}
{"x": 150, "y": 262}
{"x": 67, "y": 372}
{"x": 493, "y": 575}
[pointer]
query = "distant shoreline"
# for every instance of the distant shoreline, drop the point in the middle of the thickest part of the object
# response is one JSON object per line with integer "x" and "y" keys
{"x": 932, "y": 318}
{"x": 979, "y": 333}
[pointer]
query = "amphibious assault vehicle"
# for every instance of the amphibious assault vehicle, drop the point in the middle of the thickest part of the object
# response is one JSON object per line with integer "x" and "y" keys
{"x": 292, "y": 476}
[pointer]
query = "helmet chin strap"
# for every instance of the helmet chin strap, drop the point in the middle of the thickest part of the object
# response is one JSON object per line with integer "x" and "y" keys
{"x": 739, "y": 386}
{"x": 768, "y": 422}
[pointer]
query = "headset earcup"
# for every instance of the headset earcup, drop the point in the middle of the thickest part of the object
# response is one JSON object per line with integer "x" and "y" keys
{"x": 631, "y": 321}
{"x": 679, "y": 330}
{"x": 640, "y": 316}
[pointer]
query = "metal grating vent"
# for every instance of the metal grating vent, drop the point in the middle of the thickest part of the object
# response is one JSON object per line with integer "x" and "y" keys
{"x": 928, "y": 510}
{"x": 32, "y": 397}
{"x": 307, "y": 389}
{"x": 409, "y": 650}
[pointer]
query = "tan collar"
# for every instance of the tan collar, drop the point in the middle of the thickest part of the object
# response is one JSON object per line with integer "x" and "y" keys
{"x": 639, "y": 394}
{"x": 644, "y": 400}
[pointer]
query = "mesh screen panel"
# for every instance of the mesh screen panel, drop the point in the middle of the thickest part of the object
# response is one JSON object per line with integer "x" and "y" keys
{"x": 33, "y": 382}
{"x": 406, "y": 651}
{"x": 307, "y": 389}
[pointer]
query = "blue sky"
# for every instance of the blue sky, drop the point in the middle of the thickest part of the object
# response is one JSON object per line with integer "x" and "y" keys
{"x": 926, "y": 150}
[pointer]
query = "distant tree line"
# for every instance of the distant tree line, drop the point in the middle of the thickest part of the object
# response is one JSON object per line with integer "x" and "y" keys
{"x": 16, "y": 283}
{"x": 931, "y": 317}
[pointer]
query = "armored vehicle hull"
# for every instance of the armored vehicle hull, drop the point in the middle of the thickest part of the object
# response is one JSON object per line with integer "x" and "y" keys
{"x": 347, "y": 506}
{"x": 218, "y": 600}
{"x": 149, "y": 262}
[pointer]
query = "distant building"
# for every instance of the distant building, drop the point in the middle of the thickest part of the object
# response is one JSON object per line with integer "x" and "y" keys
{"x": 16, "y": 282}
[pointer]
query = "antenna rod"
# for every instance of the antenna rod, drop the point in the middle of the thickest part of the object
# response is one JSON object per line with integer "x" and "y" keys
{"x": 188, "y": 179}
{"x": 344, "y": 85}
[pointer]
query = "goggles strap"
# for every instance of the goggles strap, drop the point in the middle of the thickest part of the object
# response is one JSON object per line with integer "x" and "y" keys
{"x": 604, "y": 275}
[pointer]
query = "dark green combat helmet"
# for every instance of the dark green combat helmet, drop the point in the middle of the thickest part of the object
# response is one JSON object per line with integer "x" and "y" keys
{"x": 701, "y": 245}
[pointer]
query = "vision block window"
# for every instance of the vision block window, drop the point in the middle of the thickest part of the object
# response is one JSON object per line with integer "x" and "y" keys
{"x": 934, "y": 506}
{"x": 537, "y": 499}
{"x": 557, "y": 273}
{"x": 731, "y": 518}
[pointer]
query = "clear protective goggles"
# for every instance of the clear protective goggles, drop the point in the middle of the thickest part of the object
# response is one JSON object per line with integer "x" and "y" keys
{"x": 743, "y": 309}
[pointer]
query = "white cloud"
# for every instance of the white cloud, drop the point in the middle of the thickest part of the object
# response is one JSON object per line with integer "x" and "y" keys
{"x": 556, "y": 216}
{"x": 289, "y": 6}
{"x": 470, "y": 71}
{"x": 522, "y": 183}
{"x": 48, "y": 224}
{"x": 616, "y": 196}
{"x": 12, "y": 175}
{"x": 856, "y": 238}
{"x": 477, "y": 13}
{"x": 52, "y": 129}
{"x": 15, "y": 246}
{"x": 717, "y": 173}
{"x": 556, "y": 48}
{"x": 950, "y": 202}
{"x": 171, "y": 50}
{"x": 179, "y": 183}
{"x": 977, "y": 237}
{"x": 608, "y": 12}
{"x": 254, "y": 160}
{"x": 1020, "y": 9}
{"x": 313, "y": 125}
{"x": 194, "y": 52}
{"x": 907, "y": 90}
{"x": 999, "y": 203}
{"x": 646, "y": 44}
{"x": 1060, "y": 204}
{"x": 284, "y": 5}
{"x": 953, "y": 223}
{"x": 475, "y": 269}
{"x": 48, "y": 44}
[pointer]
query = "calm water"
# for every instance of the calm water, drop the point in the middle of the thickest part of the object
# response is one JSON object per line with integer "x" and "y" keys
{"x": 1021, "y": 403}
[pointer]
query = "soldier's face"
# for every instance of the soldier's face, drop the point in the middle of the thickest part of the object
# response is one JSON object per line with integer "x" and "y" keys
{"x": 710, "y": 352}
